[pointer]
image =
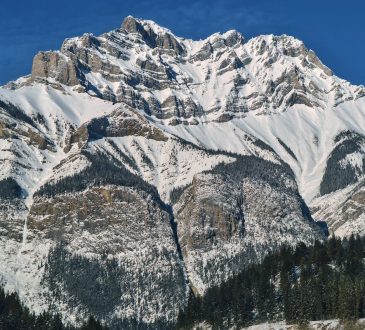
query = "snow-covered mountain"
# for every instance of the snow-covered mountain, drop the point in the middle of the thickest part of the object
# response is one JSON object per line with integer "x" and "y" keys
{"x": 138, "y": 165}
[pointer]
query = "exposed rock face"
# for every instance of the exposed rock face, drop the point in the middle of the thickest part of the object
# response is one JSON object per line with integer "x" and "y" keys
{"x": 57, "y": 66}
{"x": 122, "y": 122}
{"x": 128, "y": 227}
{"x": 164, "y": 40}
{"x": 236, "y": 210}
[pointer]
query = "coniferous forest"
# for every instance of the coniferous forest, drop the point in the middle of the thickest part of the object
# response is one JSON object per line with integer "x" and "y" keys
{"x": 321, "y": 282}
{"x": 14, "y": 316}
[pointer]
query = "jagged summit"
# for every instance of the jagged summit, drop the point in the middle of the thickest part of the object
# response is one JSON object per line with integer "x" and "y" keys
{"x": 135, "y": 25}
{"x": 141, "y": 26}
{"x": 152, "y": 34}
{"x": 181, "y": 80}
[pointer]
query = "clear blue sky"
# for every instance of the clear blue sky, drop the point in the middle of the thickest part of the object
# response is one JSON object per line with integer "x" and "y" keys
{"x": 335, "y": 29}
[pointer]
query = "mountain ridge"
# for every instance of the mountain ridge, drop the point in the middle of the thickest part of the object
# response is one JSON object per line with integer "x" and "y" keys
{"x": 145, "y": 156}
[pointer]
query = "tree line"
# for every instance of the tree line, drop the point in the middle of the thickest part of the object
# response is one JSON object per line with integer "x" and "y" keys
{"x": 302, "y": 284}
{"x": 15, "y": 316}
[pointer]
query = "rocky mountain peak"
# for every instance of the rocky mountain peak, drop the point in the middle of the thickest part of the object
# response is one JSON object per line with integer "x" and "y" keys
{"x": 230, "y": 38}
{"x": 136, "y": 25}
{"x": 132, "y": 25}
{"x": 147, "y": 67}
{"x": 152, "y": 34}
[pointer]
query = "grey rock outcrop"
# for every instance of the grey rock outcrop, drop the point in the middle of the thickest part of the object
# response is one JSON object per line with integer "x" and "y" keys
{"x": 57, "y": 66}
{"x": 240, "y": 212}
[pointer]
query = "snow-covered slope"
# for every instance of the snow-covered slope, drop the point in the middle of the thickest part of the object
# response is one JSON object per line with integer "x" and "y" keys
{"x": 140, "y": 152}
{"x": 271, "y": 87}
{"x": 40, "y": 113}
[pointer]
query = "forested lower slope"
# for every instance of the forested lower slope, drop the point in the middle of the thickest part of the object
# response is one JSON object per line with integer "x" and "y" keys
{"x": 321, "y": 282}
{"x": 15, "y": 316}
